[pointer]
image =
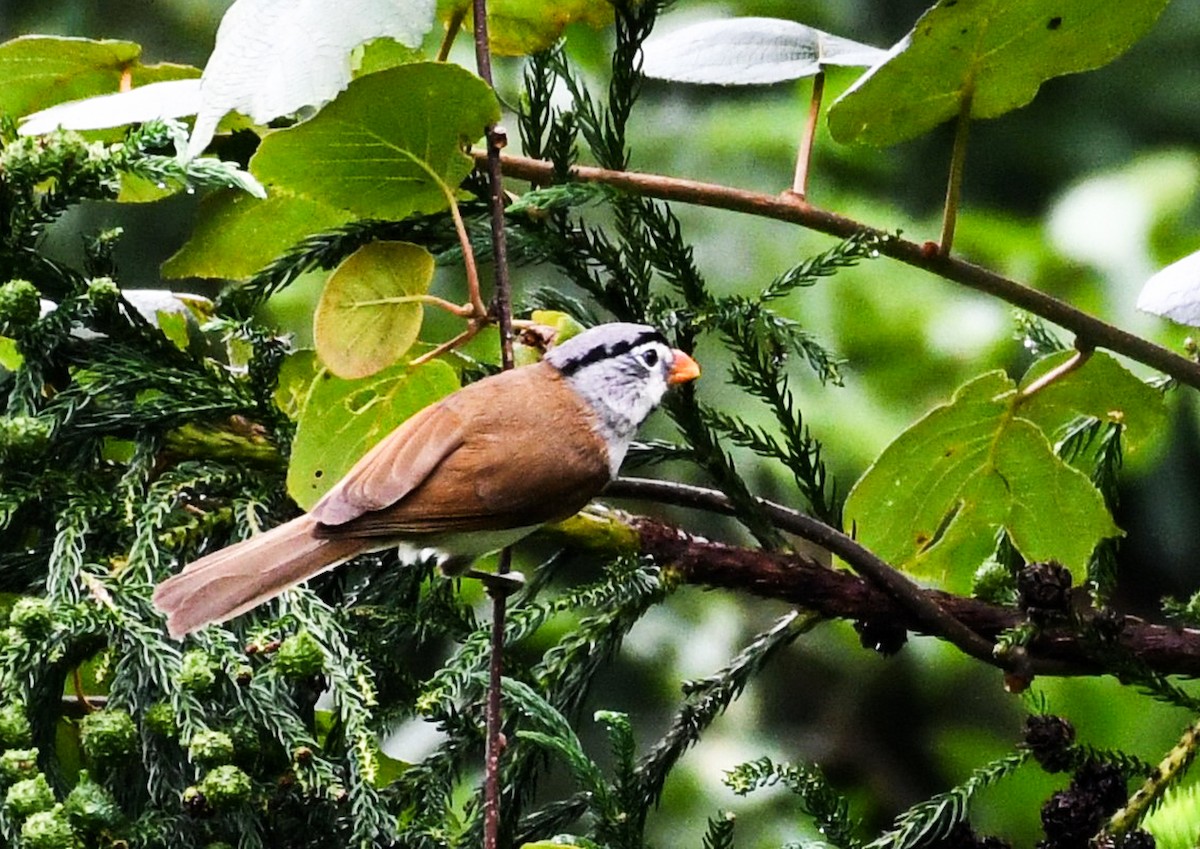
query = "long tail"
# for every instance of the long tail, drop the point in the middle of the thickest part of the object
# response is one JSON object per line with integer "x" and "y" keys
{"x": 244, "y": 575}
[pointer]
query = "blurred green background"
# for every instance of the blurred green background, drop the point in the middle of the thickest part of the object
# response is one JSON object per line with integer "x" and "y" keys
{"x": 1082, "y": 194}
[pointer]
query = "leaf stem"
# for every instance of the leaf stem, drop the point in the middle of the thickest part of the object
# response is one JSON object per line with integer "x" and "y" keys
{"x": 449, "y": 345}
{"x": 804, "y": 155}
{"x": 1077, "y": 361}
{"x": 468, "y": 259}
{"x": 958, "y": 160}
{"x": 452, "y": 27}
{"x": 1093, "y": 330}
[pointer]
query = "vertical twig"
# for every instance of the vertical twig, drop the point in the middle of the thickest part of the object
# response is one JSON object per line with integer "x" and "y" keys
{"x": 496, "y": 140}
{"x": 804, "y": 155}
{"x": 954, "y": 185}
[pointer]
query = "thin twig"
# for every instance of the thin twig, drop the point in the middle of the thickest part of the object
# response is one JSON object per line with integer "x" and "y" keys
{"x": 1150, "y": 793}
{"x": 496, "y": 139}
{"x": 804, "y": 155}
{"x": 907, "y": 594}
{"x": 958, "y": 160}
{"x": 789, "y": 208}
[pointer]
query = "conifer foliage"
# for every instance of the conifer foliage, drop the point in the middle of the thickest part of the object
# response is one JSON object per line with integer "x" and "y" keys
{"x": 142, "y": 429}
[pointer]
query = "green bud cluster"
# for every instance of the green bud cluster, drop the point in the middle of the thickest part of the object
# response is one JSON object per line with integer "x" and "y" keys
{"x": 159, "y": 719}
{"x": 23, "y": 433}
{"x": 48, "y": 830}
{"x": 29, "y": 796}
{"x": 90, "y": 807}
{"x": 78, "y": 168}
{"x": 33, "y": 617}
{"x": 20, "y": 304}
{"x": 226, "y": 786}
{"x": 197, "y": 672}
{"x": 15, "y": 730}
{"x": 210, "y": 748}
{"x": 299, "y": 657}
{"x": 18, "y": 765}
{"x": 108, "y": 735}
{"x": 103, "y": 293}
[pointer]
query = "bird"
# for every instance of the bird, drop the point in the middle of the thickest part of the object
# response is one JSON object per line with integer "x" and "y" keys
{"x": 466, "y": 476}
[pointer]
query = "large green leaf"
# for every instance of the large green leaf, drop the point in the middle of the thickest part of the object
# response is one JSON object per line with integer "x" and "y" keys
{"x": 388, "y": 147}
{"x": 934, "y": 501}
{"x": 1101, "y": 388}
{"x": 370, "y": 311}
{"x": 342, "y": 419}
{"x": 237, "y": 234}
{"x": 40, "y": 71}
{"x": 521, "y": 27}
{"x": 996, "y": 52}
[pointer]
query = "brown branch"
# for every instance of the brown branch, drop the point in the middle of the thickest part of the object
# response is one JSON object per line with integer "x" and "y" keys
{"x": 922, "y": 607}
{"x": 789, "y": 208}
{"x": 1057, "y": 650}
{"x": 496, "y": 139}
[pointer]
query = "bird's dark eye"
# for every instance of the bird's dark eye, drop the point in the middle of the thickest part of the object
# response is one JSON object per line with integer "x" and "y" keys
{"x": 650, "y": 358}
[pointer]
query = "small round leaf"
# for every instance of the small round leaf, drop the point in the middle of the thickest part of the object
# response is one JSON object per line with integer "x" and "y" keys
{"x": 370, "y": 312}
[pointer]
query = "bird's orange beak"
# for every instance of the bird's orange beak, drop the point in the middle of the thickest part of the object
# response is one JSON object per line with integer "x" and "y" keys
{"x": 683, "y": 368}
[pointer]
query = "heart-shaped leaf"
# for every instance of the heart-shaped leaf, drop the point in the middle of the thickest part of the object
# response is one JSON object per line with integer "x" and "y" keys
{"x": 388, "y": 147}
{"x": 994, "y": 53}
{"x": 343, "y": 419}
{"x": 749, "y": 51}
{"x": 1101, "y": 388}
{"x": 934, "y": 501}
{"x": 370, "y": 311}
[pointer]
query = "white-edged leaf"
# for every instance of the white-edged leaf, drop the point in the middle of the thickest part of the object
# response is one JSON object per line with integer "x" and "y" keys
{"x": 1174, "y": 292}
{"x": 749, "y": 51}
{"x": 277, "y": 57}
{"x": 154, "y": 101}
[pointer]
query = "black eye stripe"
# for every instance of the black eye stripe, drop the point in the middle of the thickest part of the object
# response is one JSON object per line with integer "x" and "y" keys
{"x": 595, "y": 355}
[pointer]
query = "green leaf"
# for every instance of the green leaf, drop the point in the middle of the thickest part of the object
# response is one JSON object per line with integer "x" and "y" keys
{"x": 997, "y": 53}
{"x": 1101, "y": 388}
{"x": 296, "y": 376}
{"x": 370, "y": 312}
{"x": 236, "y": 234}
{"x": 40, "y": 71}
{"x": 381, "y": 54}
{"x": 388, "y": 147}
{"x": 343, "y": 419}
{"x": 934, "y": 501}
{"x": 521, "y": 27}
{"x": 10, "y": 355}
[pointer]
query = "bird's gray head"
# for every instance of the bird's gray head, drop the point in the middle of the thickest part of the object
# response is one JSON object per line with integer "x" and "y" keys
{"x": 622, "y": 371}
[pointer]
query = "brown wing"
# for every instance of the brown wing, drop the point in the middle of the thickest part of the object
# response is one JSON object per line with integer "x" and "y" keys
{"x": 529, "y": 454}
{"x": 397, "y": 465}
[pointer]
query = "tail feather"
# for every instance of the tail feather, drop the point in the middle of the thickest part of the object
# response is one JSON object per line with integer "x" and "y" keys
{"x": 233, "y": 580}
